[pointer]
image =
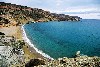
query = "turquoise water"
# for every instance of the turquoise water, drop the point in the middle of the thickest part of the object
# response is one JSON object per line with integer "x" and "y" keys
{"x": 60, "y": 39}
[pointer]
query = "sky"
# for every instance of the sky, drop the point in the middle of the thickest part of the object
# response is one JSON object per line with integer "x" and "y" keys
{"x": 82, "y": 8}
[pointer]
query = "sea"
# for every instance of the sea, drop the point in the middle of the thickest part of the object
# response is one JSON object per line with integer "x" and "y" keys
{"x": 63, "y": 39}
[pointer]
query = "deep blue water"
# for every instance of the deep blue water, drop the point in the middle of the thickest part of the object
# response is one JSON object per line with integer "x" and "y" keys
{"x": 60, "y": 39}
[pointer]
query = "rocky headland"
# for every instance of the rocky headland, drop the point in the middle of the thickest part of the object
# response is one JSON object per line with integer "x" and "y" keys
{"x": 17, "y": 14}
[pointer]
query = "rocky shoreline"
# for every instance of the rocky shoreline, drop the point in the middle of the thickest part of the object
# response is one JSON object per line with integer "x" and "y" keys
{"x": 78, "y": 61}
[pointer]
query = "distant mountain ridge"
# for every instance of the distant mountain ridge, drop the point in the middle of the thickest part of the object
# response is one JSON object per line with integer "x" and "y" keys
{"x": 20, "y": 14}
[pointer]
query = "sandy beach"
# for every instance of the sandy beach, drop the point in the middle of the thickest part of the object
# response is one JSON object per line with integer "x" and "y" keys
{"x": 12, "y": 31}
{"x": 29, "y": 52}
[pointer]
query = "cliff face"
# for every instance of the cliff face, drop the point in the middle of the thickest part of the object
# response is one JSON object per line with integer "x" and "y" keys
{"x": 19, "y": 14}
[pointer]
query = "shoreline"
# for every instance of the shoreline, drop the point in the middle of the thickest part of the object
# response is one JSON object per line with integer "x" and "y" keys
{"x": 25, "y": 38}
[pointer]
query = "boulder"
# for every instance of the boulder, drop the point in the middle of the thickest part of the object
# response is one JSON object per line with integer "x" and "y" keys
{"x": 78, "y": 54}
{"x": 34, "y": 62}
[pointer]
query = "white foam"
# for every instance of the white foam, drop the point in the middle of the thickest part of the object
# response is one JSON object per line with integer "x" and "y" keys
{"x": 32, "y": 45}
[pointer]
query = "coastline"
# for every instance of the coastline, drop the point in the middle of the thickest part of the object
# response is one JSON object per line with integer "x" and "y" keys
{"x": 30, "y": 53}
{"x": 25, "y": 38}
{"x": 18, "y": 50}
{"x": 28, "y": 48}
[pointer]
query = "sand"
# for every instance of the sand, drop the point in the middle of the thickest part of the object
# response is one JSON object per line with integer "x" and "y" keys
{"x": 29, "y": 52}
{"x": 12, "y": 31}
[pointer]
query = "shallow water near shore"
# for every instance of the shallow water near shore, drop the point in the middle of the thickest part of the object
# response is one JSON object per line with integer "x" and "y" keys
{"x": 64, "y": 39}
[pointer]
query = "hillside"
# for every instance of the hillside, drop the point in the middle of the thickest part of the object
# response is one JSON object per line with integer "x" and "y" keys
{"x": 18, "y": 14}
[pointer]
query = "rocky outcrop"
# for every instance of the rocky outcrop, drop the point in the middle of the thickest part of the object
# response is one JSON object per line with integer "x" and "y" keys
{"x": 82, "y": 61}
{"x": 78, "y": 61}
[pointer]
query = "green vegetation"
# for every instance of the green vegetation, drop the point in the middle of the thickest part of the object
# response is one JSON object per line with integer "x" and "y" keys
{"x": 23, "y": 13}
{"x": 3, "y": 20}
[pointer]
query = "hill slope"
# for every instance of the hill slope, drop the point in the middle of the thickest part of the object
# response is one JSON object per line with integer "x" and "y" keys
{"x": 18, "y": 14}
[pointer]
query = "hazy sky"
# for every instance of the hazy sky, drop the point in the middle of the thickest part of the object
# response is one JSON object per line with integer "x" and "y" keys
{"x": 61, "y": 6}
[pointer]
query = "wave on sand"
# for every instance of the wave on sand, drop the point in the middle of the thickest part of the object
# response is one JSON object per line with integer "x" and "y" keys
{"x": 32, "y": 45}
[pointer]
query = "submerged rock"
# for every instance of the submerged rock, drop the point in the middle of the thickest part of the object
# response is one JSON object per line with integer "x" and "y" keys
{"x": 77, "y": 53}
